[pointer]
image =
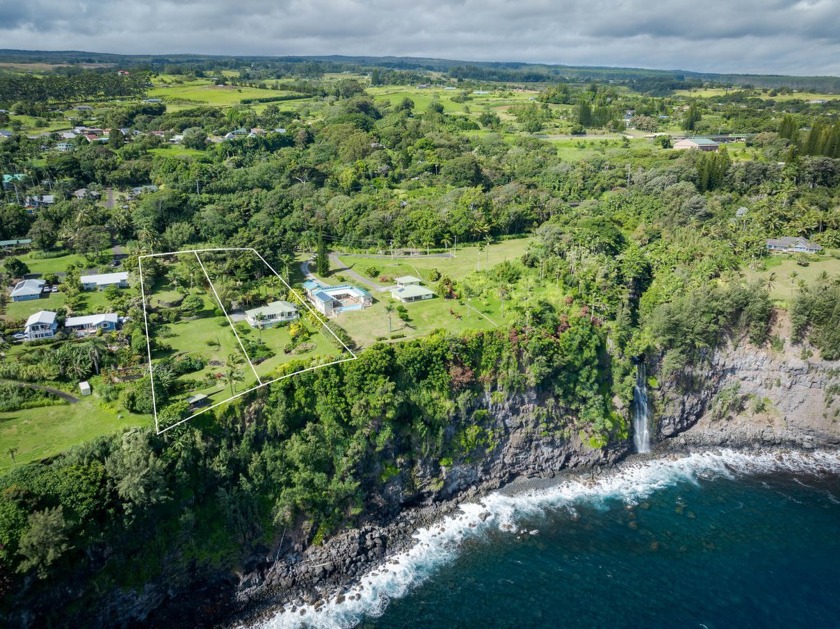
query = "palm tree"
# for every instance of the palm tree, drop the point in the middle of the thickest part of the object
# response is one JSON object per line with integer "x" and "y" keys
{"x": 96, "y": 349}
{"x": 233, "y": 373}
{"x": 12, "y": 452}
{"x": 770, "y": 282}
{"x": 389, "y": 308}
{"x": 792, "y": 277}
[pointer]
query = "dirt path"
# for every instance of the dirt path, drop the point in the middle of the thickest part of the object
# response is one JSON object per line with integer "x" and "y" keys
{"x": 56, "y": 392}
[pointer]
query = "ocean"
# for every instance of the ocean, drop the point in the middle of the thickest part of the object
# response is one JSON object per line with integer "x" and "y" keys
{"x": 709, "y": 540}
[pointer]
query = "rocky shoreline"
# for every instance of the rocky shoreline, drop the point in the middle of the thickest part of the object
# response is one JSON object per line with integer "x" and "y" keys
{"x": 303, "y": 581}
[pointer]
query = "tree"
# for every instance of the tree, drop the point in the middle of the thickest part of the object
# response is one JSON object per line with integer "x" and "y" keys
{"x": 389, "y": 308}
{"x": 195, "y": 138}
{"x": 15, "y": 267}
{"x": 115, "y": 138}
{"x": 692, "y": 117}
{"x": 44, "y": 233}
{"x": 45, "y": 541}
{"x": 12, "y": 453}
{"x": 233, "y": 373}
{"x": 322, "y": 260}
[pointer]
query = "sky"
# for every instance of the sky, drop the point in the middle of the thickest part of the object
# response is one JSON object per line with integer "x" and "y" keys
{"x": 798, "y": 37}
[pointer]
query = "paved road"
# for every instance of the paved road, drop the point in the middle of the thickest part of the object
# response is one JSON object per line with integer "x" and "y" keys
{"x": 340, "y": 267}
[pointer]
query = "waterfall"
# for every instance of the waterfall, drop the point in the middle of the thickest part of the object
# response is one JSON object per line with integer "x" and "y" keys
{"x": 641, "y": 424}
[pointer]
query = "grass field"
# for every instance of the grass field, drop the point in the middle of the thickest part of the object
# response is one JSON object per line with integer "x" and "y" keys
{"x": 46, "y": 431}
{"x": 93, "y": 302}
{"x": 497, "y": 100}
{"x": 786, "y": 273}
{"x": 467, "y": 259}
{"x": 204, "y": 91}
{"x": 57, "y": 264}
{"x": 479, "y": 313}
{"x": 719, "y": 91}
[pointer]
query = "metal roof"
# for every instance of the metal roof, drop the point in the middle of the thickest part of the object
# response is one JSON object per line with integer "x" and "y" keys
{"x": 408, "y": 279}
{"x": 96, "y": 319}
{"x": 28, "y": 287}
{"x": 275, "y": 307}
{"x": 411, "y": 291}
{"x": 105, "y": 278}
{"x": 44, "y": 317}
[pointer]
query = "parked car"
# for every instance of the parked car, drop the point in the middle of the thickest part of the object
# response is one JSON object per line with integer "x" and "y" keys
{"x": 54, "y": 289}
{"x": 18, "y": 336}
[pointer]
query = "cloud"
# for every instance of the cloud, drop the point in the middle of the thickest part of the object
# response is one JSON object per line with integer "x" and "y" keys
{"x": 766, "y": 36}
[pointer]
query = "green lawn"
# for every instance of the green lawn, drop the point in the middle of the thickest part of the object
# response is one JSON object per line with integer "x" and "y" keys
{"x": 203, "y": 91}
{"x": 276, "y": 339}
{"x": 46, "y": 431}
{"x": 369, "y": 325}
{"x": 93, "y": 302}
{"x": 57, "y": 264}
{"x": 782, "y": 274}
{"x": 466, "y": 260}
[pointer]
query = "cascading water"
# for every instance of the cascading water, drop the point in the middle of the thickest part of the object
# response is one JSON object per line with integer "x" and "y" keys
{"x": 641, "y": 425}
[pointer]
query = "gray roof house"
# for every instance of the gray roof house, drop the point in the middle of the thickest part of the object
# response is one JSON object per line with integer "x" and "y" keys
{"x": 41, "y": 325}
{"x": 271, "y": 314}
{"x": 103, "y": 280}
{"x": 90, "y": 324}
{"x": 28, "y": 289}
{"x": 792, "y": 244}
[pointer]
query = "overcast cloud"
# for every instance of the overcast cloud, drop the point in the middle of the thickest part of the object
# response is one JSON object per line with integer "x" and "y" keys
{"x": 763, "y": 36}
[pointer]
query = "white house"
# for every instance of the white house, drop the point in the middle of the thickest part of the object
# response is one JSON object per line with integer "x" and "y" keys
{"x": 331, "y": 300}
{"x": 28, "y": 289}
{"x": 271, "y": 314}
{"x": 41, "y": 325}
{"x": 791, "y": 244}
{"x": 103, "y": 280}
{"x": 90, "y": 324}
{"x": 411, "y": 292}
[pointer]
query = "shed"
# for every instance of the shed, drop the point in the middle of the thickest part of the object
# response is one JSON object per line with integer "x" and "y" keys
{"x": 84, "y": 387}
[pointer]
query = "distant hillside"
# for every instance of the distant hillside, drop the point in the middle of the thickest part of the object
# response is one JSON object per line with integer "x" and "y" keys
{"x": 645, "y": 79}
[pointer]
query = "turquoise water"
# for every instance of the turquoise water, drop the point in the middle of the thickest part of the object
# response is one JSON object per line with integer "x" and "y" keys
{"x": 710, "y": 540}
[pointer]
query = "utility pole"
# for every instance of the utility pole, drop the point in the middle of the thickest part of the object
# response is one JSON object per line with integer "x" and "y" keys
{"x": 454, "y": 248}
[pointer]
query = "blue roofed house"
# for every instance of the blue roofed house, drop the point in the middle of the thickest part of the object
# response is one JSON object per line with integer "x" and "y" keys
{"x": 28, "y": 289}
{"x": 39, "y": 326}
{"x": 331, "y": 300}
{"x": 91, "y": 324}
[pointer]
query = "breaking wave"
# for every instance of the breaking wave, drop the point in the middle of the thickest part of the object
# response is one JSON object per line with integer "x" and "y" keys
{"x": 440, "y": 543}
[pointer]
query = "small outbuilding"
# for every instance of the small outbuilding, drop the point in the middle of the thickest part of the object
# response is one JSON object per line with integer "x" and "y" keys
{"x": 408, "y": 280}
{"x": 84, "y": 387}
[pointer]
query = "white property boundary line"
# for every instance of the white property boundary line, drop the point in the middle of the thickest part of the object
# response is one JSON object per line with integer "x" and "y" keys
{"x": 248, "y": 358}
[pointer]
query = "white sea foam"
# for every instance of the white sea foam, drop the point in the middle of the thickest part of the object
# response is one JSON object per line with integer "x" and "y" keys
{"x": 440, "y": 543}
